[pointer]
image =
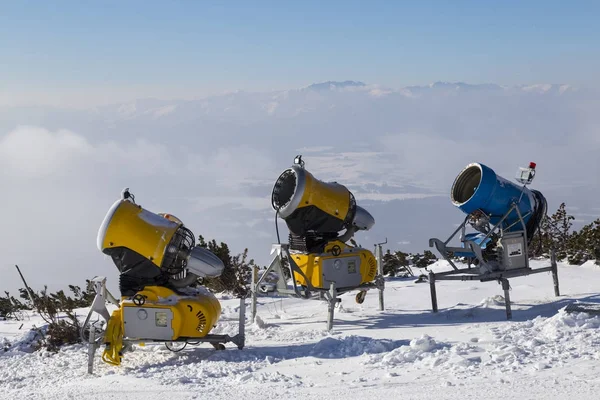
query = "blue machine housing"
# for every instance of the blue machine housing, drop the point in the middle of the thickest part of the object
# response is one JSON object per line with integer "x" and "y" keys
{"x": 477, "y": 187}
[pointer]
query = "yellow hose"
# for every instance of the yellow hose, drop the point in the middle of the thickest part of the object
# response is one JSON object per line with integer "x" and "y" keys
{"x": 113, "y": 338}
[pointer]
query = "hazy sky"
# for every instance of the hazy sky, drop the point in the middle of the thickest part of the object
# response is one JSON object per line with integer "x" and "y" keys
{"x": 87, "y": 52}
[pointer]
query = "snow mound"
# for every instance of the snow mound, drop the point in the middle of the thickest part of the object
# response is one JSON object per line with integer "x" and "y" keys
{"x": 201, "y": 367}
{"x": 23, "y": 343}
{"x": 545, "y": 342}
{"x": 352, "y": 346}
{"x": 497, "y": 300}
{"x": 425, "y": 352}
{"x": 417, "y": 350}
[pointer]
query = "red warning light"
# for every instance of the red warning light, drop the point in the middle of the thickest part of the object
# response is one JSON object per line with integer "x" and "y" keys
{"x": 532, "y": 165}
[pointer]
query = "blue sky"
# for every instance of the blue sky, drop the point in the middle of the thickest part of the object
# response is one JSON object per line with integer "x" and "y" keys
{"x": 207, "y": 47}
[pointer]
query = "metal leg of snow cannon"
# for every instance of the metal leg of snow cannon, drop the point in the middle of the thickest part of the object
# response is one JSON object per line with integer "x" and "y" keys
{"x": 98, "y": 306}
{"x": 91, "y": 351}
{"x": 240, "y": 339}
{"x": 506, "y": 288}
{"x": 434, "y": 305}
{"x": 554, "y": 267}
{"x": 331, "y": 301}
{"x": 381, "y": 280}
{"x": 254, "y": 288}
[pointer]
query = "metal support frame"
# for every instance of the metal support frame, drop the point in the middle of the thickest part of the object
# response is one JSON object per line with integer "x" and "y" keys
{"x": 379, "y": 258}
{"x": 330, "y": 295}
{"x": 434, "y": 305}
{"x": 468, "y": 274}
{"x": 445, "y": 250}
{"x": 92, "y": 346}
{"x": 332, "y": 300}
{"x": 506, "y": 289}
{"x": 554, "y": 267}
{"x": 99, "y": 306}
{"x": 472, "y": 274}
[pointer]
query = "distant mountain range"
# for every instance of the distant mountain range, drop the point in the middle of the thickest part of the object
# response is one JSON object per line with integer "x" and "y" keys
{"x": 333, "y": 85}
{"x": 247, "y": 107}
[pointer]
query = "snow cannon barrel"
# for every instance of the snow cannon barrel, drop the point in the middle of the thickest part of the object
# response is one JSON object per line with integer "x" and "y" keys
{"x": 478, "y": 187}
{"x": 147, "y": 247}
{"x": 310, "y": 205}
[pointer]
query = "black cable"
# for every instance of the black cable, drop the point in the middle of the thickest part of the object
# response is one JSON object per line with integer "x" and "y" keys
{"x": 536, "y": 220}
{"x": 538, "y": 215}
{"x": 276, "y": 226}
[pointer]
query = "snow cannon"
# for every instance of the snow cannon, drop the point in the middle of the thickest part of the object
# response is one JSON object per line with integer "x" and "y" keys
{"x": 159, "y": 266}
{"x": 322, "y": 218}
{"x": 153, "y": 249}
{"x": 478, "y": 189}
{"x": 505, "y": 216}
{"x": 311, "y": 206}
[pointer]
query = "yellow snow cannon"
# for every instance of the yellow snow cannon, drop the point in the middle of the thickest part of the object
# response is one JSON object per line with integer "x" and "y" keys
{"x": 159, "y": 266}
{"x": 322, "y": 217}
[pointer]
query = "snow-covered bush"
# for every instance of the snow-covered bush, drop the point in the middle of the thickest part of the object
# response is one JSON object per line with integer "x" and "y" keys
{"x": 398, "y": 263}
{"x": 58, "y": 310}
{"x": 11, "y": 308}
{"x": 556, "y": 233}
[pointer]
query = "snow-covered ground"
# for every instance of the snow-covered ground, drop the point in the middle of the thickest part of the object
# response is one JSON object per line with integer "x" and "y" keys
{"x": 466, "y": 351}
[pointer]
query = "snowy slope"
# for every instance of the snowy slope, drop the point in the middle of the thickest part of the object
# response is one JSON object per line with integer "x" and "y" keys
{"x": 466, "y": 351}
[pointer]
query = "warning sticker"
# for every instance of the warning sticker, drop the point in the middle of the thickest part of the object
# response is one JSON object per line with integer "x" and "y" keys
{"x": 515, "y": 249}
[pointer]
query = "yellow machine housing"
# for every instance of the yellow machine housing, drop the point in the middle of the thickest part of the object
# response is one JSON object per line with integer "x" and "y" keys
{"x": 329, "y": 197}
{"x": 193, "y": 316}
{"x": 310, "y": 205}
{"x": 162, "y": 315}
{"x": 130, "y": 226}
{"x": 352, "y": 267}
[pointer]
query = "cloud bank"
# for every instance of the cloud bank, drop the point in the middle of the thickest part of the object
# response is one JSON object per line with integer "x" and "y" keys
{"x": 212, "y": 162}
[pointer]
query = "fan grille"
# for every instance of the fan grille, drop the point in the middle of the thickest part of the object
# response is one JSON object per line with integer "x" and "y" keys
{"x": 177, "y": 251}
{"x": 351, "y": 211}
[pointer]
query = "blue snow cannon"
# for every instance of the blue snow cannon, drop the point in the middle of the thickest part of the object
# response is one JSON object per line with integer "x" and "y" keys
{"x": 505, "y": 217}
{"x": 479, "y": 191}
{"x": 490, "y": 199}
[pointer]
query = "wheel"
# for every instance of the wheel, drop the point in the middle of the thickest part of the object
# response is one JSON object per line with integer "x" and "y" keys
{"x": 336, "y": 250}
{"x": 360, "y": 297}
{"x": 175, "y": 346}
{"x": 139, "y": 300}
{"x": 218, "y": 346}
